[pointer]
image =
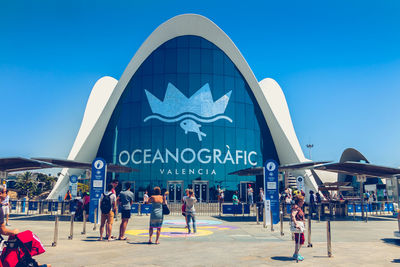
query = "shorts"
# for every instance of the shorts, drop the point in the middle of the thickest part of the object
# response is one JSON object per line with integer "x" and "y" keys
{"x": 109, "y": 217}
{"x": 296, "y": 238}
{"x": 6, "y": 210}
{"x": 86, "y": 208}
{"x": 125, "y": 214}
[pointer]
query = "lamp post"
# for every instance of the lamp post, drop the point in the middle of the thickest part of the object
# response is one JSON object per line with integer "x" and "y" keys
{"x": 309, "y": 146}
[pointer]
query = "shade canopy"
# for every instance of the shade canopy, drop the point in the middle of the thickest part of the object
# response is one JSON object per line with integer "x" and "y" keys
{"x": 295, "y": 166}
{"x": 24, "y": 164}
{"x": 359, "y": 168}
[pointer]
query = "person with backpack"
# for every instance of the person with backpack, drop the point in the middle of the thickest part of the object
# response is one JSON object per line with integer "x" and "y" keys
{"x": 108, "y": 203}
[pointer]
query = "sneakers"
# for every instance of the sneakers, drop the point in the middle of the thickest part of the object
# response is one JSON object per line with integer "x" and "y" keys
{"x": 298, "y": 257}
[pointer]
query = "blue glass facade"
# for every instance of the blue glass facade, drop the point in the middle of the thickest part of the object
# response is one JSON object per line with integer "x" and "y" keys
{"x": 186, "y": 114}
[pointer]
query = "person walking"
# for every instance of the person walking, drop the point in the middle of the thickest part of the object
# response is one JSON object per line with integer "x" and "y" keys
{"x": 6, "y": 207}
{"x": 312, "y": 203}
{"x": 145, "y": 197}
{"x": 298, "y": 221}
{"x": 156, "y": 216}
{"x": 220, "y": 197}
{"x": 125, "y": 200}
{"x": 86, "y": 203}
{"x": 190, "y": 211}
{"x": 108, "y": 203}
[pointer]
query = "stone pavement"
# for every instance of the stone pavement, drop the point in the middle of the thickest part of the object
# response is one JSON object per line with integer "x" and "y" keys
{"x": 225, "y": 241}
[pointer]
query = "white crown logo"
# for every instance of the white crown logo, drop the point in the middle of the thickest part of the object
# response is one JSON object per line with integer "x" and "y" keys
{"x": 200, "y": 107}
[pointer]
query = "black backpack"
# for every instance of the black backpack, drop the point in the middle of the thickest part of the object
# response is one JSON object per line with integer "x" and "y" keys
{"x": 105, "y": 204}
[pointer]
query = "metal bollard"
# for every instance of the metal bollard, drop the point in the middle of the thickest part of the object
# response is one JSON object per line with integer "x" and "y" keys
{"x": 84, "y": 223}
{"x": 272, "y": 221}
{"x": 319, "y": 213}
{"x": 71, "y": 230}
{"x": 366, "y": 215}
{"x": 281, "y": 219}
{"x": 329, "y": 238}
{"x": 257, "y": 216}
{"x": 309, "y": 231}
{"x": 140, "y": 209}
{"x": 354, "y": 211}
{"x": 95, "y": 220}
{"x": 264, "y": 219}
{"x": 55, "y": 232}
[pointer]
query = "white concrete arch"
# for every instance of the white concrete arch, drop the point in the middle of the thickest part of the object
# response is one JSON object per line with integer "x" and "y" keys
{"x": 276, "y": 115}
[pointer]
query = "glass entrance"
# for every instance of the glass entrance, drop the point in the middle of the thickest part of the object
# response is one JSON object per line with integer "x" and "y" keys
{"x": 201, "y": 191}
{"x": 175, "y": 189}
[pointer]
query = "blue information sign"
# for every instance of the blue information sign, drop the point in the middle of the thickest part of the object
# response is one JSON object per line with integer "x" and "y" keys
{"x": 271, "y": 187}
{"x": 97, "y": 186}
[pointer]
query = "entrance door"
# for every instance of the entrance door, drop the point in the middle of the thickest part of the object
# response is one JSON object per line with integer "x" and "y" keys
{"x": 244, "y": 185}
{"x": 201, "y": 191}
{"x": 175, "y": 189}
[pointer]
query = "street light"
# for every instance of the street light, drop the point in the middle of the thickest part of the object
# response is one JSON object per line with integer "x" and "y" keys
{"x": 309, "y": 146}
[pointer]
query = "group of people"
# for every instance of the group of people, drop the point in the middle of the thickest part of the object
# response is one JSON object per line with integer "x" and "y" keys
{"x": 109, "y": 202}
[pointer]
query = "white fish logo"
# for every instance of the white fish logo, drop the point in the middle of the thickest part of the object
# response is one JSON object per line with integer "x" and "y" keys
{"x": 200, "y": 107}
{"x": 189, "y": 125}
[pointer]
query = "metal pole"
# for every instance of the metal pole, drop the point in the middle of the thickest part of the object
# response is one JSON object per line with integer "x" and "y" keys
{"x": 95, "y": 219}
{"x": 257, "y": 215}
{"x": 366, "y": 215}
{"x": 272, "y": 221}
{"x": 328, "y": 237}
{"x": 309, "y": 230}
{"x": 354, "y": 211}
{"x": 71, "y": 230}
{"x": 264, "y": 218}
{"x": 319, "y": 212}
{"x": 55, "y": 232}
{"x": 281, "y": 219}
{"x": 362, "y": 199}
{"x": 84, "y": 223}
{"x": 140, "y": 209}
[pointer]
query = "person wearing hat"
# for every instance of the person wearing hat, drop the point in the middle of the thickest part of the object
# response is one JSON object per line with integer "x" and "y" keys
{"x": 250, "y": 195}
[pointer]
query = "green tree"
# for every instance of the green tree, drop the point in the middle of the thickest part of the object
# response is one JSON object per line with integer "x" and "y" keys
{"x": 26, "y": 184}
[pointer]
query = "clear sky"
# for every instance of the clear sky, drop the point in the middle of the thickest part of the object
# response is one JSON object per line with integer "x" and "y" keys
{"x": 338, "y": 63}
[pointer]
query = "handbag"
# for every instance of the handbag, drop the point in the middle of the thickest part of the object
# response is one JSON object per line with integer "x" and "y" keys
{"x": 296, "y": 230}
{"x": 165, "y": 209}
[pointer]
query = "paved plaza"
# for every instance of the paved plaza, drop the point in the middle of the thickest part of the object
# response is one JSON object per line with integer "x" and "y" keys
{"x": 225, "y": 241}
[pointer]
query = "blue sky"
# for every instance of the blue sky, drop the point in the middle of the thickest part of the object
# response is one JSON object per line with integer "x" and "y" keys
{"x": 338, "y": 63}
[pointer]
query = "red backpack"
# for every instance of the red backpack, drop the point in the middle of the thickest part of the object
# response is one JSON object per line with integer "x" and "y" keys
{"x": 20, "y": 248}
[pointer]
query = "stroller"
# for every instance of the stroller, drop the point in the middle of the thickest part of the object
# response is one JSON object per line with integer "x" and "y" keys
{"x": 19, "y": 249}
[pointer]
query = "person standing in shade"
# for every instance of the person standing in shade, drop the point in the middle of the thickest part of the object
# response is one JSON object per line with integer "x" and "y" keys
{"x": 190, "y": 211}
{"x": 108, "y": 203}
{"x": 6, "y": 207}
{"x": 156, "y": 216}
{"x": 235, "y": 199}
{"x": 125, "y": 200}
{"x": 145, "y": 197}
{"x": 250, "y": 195}
{"x": 312, "y": 203}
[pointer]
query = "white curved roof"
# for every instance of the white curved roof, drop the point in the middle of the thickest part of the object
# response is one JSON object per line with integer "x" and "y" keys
{"x": 268, "y": 93}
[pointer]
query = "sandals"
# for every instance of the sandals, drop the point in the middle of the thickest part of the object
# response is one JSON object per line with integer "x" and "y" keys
{"x": 123, "y": 239}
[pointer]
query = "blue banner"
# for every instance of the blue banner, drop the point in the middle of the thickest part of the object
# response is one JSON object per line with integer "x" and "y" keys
{"x": 73, "y": 185}
{"x": 97, "y": 186}
{"x": 271, "y": 187}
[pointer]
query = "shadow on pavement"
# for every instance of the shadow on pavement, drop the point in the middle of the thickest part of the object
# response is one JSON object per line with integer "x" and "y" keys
{"x": 43, "y": 217}
{"x": 396, "y": 261}
{"x": 139, "y": 243}
{"x": 392, "y": 241}
{"x": 238, "y": 218}
{"x": 282, "y": 258}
